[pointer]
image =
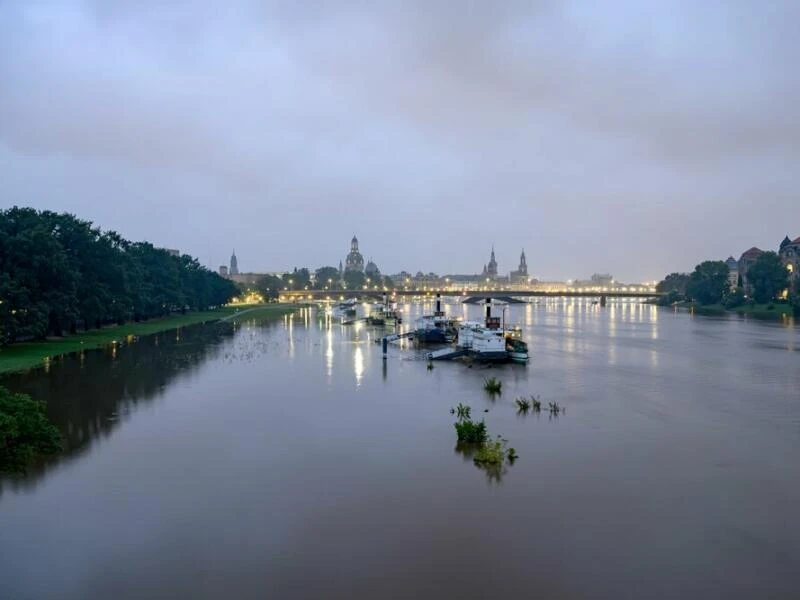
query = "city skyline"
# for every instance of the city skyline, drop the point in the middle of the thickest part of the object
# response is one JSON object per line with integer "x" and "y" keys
{"x": 635, "y": 138}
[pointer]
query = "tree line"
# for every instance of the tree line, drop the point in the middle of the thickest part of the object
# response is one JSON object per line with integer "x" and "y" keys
{"x": 323, "y": 278}
{"x": 59, "y": 274}
{"x": 708, "y": 284}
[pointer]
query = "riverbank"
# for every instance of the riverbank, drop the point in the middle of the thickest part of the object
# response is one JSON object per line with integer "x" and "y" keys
{"x": 757, "y": 311}
{"x": 26, "y": 355}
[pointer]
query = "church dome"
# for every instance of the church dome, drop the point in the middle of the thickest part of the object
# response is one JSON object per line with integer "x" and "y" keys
{"x": 371, "y": 268}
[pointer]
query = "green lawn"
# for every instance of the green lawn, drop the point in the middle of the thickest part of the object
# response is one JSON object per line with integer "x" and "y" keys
{"x": 18, "y": 357}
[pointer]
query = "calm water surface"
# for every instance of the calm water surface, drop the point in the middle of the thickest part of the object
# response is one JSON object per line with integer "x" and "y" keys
{"x": 287, "y": 460}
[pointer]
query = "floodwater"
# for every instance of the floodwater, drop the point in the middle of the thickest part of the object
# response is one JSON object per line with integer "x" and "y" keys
{"x": 288, "y": 460}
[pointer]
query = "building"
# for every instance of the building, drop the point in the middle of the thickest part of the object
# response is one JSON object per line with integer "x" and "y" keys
{"x": 746, "y": 261}
{"x": 521, "y": 274}
{"x": 733, "y": 272}
{"x": 354, "y": 261}
{"x": 790, "y": 256}
{"x": 223, "y": 270}
{"x": 234, "y": 270}
{"x": 490, "y": 269}
{"x": 371, "y": 270}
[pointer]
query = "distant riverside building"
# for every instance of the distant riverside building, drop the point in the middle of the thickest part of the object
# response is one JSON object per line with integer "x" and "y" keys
{"x": 234, "y": 270}
{"x": 733, "y": 272}
{"x": 354, "y": 260}
{"x": 223, "y": 270}
{"x": 790, "y": 256}
{"x": 521, "y": 274}
{"x": 490, "y": 269}
{"x": 371, "y": 270}
{"x": 746, "y": 261}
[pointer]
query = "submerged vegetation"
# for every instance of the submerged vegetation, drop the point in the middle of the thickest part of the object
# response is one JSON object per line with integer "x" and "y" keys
{"x": 25, "y": 432}
{"x": 469, "y": 432}
{"x": 493, "y": 385}
{"x": 474, "y": 441}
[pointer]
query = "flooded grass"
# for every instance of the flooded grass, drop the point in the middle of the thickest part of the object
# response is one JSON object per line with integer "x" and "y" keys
{"x": 493, "y": 385}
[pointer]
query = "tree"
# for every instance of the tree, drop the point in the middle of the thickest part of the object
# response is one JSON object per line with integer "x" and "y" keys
{"x": 269, "y": 286}
{"x": 354, "y": 279}
{"x": 58, "y": 273}
{"x": 709, "y": 282}
{"x": 25, "y": 431}
{"x": 794, "y": 296}
{"x": 387, "y": 282}
{"x": 768, "y": 277}
{"x": 735, "y": 298}
{"x": 674, "y": 282}
{"x": 326, "y": 277}
{"x": 297, "y": 279}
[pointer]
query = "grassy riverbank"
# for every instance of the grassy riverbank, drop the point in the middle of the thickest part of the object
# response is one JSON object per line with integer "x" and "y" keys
{"x": 758, "y": 311}
{"x": 25, "y": 355}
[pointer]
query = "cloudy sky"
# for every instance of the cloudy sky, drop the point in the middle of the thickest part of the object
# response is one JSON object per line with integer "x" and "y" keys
{"x": 631, "y": 137}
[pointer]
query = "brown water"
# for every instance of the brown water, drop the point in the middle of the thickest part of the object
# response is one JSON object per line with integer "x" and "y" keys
{"x": 287, "y": 460}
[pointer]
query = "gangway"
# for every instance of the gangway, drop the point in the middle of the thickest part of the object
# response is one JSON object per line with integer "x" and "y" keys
{"x": 446, "y": 353}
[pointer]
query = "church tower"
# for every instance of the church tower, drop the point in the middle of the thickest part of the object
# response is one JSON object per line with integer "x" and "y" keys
{"x": 523, "y": 265}
{"x": 491, "y": 268}
{"x": 234, "y": 270}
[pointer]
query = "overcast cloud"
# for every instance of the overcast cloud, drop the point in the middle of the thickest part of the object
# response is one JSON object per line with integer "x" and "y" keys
{"x": 631, "y": 137}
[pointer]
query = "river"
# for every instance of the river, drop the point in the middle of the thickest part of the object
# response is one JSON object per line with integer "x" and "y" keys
{"x": 288, "y": 460}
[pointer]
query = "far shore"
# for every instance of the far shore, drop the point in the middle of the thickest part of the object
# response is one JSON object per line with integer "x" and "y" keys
{"x": 26, "y": 355}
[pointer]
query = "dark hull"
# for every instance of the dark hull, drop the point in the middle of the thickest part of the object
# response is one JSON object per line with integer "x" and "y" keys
{"x": 433, "y": 336}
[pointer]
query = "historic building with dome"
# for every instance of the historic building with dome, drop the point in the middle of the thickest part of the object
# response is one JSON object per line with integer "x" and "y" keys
{"x": 354, "y": 260}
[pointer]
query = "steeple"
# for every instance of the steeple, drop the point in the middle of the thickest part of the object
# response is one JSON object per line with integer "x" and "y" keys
{"x": 523, "y": 264}
{"x": 234, "y": 270}
{"x": 491, "y": 268}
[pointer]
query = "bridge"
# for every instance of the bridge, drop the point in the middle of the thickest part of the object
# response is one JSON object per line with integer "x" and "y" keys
{"x": 341, "y": 294}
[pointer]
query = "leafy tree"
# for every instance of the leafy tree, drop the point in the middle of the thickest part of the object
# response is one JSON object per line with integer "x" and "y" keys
{"x": 709, "y": 281}
{"x": 298, "y": 279}
{"x": 768, "y": 277}
{"x": 354, "y": 279}
{"x": 25, "y": 431}
{"x": 387, "y": 282}
{"x": 58, "y": 273}
{"x": 735, "y": 299}
{"x": 326, "y": 276}
{"x": 269, "y": 286}
{"x": 674, "y": 282}
{"x": 794, "y": 297}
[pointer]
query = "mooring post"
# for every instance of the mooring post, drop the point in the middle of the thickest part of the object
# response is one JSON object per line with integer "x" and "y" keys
{"x": 385, "y": 344}
{"x": 602, "y": 300}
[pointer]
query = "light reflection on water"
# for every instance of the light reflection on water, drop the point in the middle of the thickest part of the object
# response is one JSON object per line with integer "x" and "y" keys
{"x": 259, "y": 473}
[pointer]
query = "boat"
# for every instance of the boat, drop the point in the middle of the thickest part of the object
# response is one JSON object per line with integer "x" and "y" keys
{"x": 517, "y": 349}
{"x": 484, "y": 342}
{"x": 437, "y": 328}
{"x": 490, "y": 341}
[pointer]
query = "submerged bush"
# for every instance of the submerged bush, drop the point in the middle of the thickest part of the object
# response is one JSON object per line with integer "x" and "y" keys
{"x": 523, "y": 404}
{"x": 492, "y": 385}
{"x": 25, "y": 432}
{"x": 471, "y": 433}
{"x": 492, "y": 453}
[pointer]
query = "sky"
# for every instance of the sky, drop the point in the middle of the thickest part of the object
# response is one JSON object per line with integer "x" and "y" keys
{"x": 636, "y": 138}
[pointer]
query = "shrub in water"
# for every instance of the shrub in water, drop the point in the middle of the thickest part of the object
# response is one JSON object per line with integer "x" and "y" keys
{"x": 523, "y": 404}
{"x": 491, "y": 453}
{"x": 25, "y": 431}
{"x": 492, "y": 385}
{"x": 471, "y": 433}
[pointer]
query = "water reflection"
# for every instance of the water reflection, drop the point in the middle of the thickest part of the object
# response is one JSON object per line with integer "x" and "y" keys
{"x": 86, "y": 400}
